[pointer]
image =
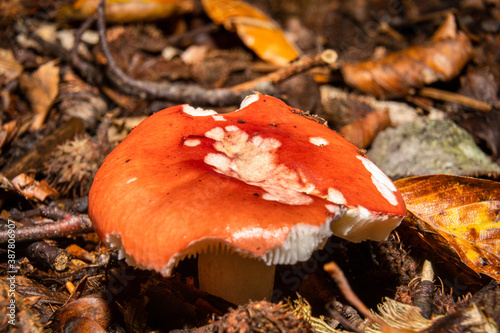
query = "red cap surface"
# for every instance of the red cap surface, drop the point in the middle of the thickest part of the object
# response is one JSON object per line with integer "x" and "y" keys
{"x": 263, "y": 180}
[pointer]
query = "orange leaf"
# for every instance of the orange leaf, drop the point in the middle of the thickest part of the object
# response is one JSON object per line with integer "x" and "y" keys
{"x": 259, "y": 32}
{"x": 396, "y": 74}
{"x": 459, "y": 215}
{"x": 123, "y": 11}
{"x": 31, "y": 188}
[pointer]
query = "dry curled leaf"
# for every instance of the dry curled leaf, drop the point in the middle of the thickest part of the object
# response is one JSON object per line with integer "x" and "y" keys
{"x": 41, "y": 89}
{"x": 94, "y": 307}
{"x": 124, "y": 11}
{"x": 396, "y": 74}
{"x": 31, "y": 188}
{"x": 457, "y": 216}
{"x": 259, "y": 32}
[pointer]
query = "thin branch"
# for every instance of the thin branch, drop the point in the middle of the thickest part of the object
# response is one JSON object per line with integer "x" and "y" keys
{"x": 86, "y": 70}
{"x": 69, "y": 224}
{"x": 447, "y": 96}
{"x": 327, "y": 57}
{"x": 175, "y": 92}
{"x": 338, "y": 276}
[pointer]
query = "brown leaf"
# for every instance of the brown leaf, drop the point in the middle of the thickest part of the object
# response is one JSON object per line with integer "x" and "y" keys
{"x": 458, "y": 216}
{"x": 8, "y": 131}
{"x": 396, "y": 74}
{"x": 10, "y": 69}
{"x": 94, "y": 307}
{"x": 31, "y": 188}
{"x": 123, "y": 11}
{"x": 362, "y": 131}
{"x": 358, "y": 118}
{"x": 41, "y": 89}
{"x": 259, "y": 32}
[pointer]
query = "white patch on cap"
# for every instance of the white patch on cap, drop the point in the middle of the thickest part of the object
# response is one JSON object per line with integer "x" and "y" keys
{"x": 336, "y": 210}
{"x": 219, "y": 117}
{"x": 216, "y": 133}
{"x": 257, "y": 140}
{"x": 359, "y": 224}
{"x": 255, "y": 161}
{"x": 336, "y": 196}
{"x": 232, "y": 128}
{"x": 220, "y": 162}
{"x": 383, "y": 184}
{"x": 198, "y": 112}
{"x": 320, "y": 142}
{"x": 131, "y": 180}
{"x": 192, "y": 142}
{"x": 249, "y": 100}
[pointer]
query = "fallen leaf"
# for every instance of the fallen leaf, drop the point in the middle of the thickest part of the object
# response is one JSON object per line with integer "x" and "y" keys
{"x": 8, "y": 131}
{"x": 10, "y": 69}
{"x": 358, "y": 118}
{"x": 94, "y": 307}
{"x": 396, "y": 74}
{"x": 259, "y": 32}
{"x": 31, "y": 188}
{"x": 124, "y": 11}
{"x": 457, "y": 216}
{"x": 362, "y": 131}
{"x": 41, "y": 89}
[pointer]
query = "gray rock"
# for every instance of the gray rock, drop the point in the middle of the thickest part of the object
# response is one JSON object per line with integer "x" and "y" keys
{"x": 428, "y": 147}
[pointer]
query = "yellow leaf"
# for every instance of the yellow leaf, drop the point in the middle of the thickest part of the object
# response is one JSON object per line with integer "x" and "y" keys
{"x": 41, "y": 89}
{"x": 457, "y": 215}
{"x": 259, "y": 32}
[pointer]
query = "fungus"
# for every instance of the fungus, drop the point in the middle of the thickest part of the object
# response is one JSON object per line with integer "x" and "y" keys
{"x": 242, "y": 196}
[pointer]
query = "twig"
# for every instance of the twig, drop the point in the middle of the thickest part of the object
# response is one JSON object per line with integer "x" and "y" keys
{"x": 69, "y": 224}
{"x": 175, "y": 92}
{"x": 327, "y": 57}
{"x": 343, "y": 321}
{"x": 48, "y": 255}
{"x": 191, "y": 34}
{"x": 447, "y": 96}
{"x": 86, "y": 70}
{"x": 339, "y": 278}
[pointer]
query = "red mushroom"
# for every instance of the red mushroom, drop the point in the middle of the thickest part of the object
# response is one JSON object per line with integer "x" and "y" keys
{"x": 243, "y": 191}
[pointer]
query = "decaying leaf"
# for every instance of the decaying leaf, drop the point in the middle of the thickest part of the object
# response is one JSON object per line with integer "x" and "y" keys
{"x": 94, "y": 307}
{"x": 458, "y": 216}
{"x": 10, "y": 69}
{"x": 41, "y": 89}
{"x": 31, "y": 188}
{"x": 259, "y": 32}
{"x": 396, "y": 74}
{"x": 124, "y": 11}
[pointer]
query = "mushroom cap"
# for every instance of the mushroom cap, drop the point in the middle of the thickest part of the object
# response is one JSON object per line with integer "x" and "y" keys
{"x": 264, "y": 181}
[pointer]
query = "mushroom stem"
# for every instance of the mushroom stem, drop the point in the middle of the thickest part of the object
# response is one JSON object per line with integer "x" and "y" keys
{"x": 235, "y": 278}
